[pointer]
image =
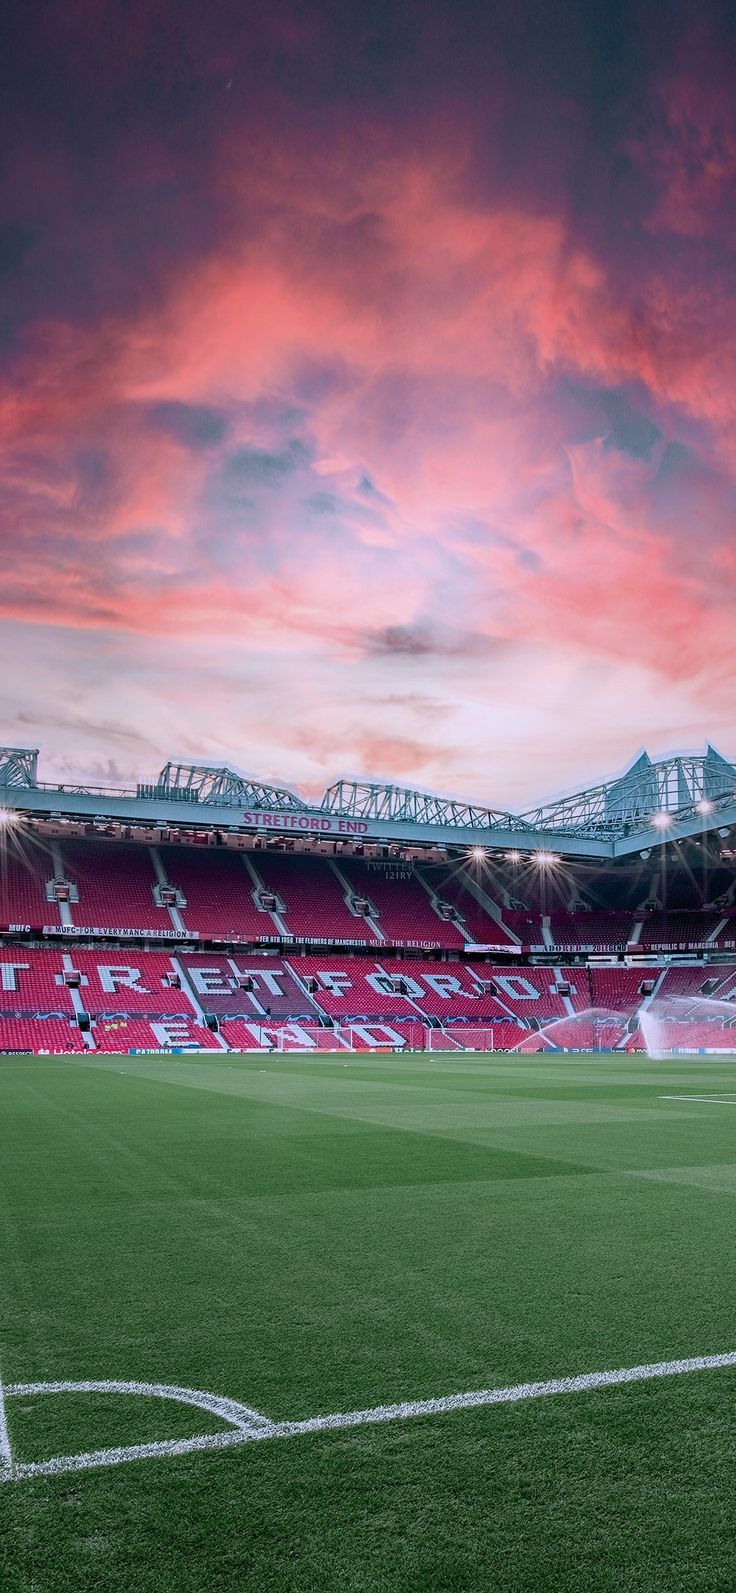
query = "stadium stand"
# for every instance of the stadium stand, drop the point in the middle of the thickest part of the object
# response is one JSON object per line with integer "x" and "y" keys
{"x": 39, "y": 1034}
{"x": 526, "y": 926}
{"x": 405, "y": 914}
{"x": 254, "y": 987}
{"x": 126, "y": 982}
{"x": 314, "y": 900}
{"x": 23, "y": 889}
{"x": 616, "y": 989}
{"x": 440, "y": 990}
{"x": 218, "y": 893}
{"x": 482, "y": 929}
{"x": 675, "y": 929}
{"x": 120, "y": 1034}
{"x": 116, "y": 887}
{"x": 601, "y": 931}
{"x": 240, "y": 1035}
{"x": 32, "y": 982}
{"x": 352, "y": 988}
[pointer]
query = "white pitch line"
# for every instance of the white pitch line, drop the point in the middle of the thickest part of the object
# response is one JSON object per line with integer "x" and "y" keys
{"x": 6, "y": 1453}
{"x": 250, "y": 1427}
{"x": 712, "y": 1100}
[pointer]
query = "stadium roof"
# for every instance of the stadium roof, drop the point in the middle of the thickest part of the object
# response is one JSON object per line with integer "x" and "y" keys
{"x": 651, "y": 803}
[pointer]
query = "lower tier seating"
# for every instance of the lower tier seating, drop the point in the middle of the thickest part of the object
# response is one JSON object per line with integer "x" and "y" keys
{"x": 147, "y": 998}
{"x": 39, "y": 1034}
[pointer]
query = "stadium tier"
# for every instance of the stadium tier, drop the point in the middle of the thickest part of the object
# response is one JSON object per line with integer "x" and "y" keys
{"x": 314, "y": 901}
{"x": 218, "y": 894}
{"x": 679, "y": 929}
{"x": 586, "y": 930}
{"x": 23, "y": 881}
{"x": 109, "y": 890}
{"x": 137, "y": 999}
{"x": 121, "y": 939}
{"x": 255, "y": 987}
{"x": 40, "y": 1034}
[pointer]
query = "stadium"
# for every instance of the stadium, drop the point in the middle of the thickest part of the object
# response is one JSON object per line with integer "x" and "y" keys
{"x": 368, "y": 1180}
{"x": 367, "y": 797}
{"x": 203, "y": 911}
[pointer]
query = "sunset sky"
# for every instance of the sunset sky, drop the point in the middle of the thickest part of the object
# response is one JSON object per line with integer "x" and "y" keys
{"x": 367, "y": 388}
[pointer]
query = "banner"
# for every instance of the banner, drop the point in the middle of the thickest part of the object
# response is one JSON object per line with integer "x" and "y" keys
{"x": 120, "y": 934}
{"x": 305, "y": 823}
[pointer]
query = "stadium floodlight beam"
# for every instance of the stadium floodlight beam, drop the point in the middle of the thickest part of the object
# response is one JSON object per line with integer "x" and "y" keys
{"x": 704, "y": 806}
{"x": 478, "y": 853}
{"x": 662, "y": 821}
{"x": 513, "y": 857}
{"x": 7, "y": 819}
{"x": 545, "y": 859}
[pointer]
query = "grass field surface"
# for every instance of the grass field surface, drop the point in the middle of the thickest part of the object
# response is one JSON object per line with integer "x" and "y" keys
{"x": 316, "y": 1235}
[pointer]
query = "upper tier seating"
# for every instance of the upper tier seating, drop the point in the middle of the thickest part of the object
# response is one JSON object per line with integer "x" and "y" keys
{"x": 406, "y": 916}
{"x": 115, "y": 885}
{"x": 678, "y": 929}
{"x": 527, "y": 926}
{"x": 604, "y": 931}
{"x": 483, "y": 930}
{"x": 23, "y": 879}
{"x": 313, "y": 898}
{"x": 219, "y": 894}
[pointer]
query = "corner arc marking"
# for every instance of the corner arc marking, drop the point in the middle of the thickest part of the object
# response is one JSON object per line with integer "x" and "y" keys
{"x": 247, "y": 1425}
{"x": 242, "y": 1417}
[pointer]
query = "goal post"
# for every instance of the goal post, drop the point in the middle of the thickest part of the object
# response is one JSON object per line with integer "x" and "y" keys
{"x": 461, "y": 1037}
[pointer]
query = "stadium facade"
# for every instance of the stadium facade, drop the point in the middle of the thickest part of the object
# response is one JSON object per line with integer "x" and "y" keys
{"x": 203, "y": 909}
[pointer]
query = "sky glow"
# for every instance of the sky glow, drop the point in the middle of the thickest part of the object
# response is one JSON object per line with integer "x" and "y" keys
{"x": 368, "y": 389}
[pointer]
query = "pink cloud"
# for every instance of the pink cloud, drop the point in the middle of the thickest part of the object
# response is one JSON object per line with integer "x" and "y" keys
{"x": 420, "y": 343}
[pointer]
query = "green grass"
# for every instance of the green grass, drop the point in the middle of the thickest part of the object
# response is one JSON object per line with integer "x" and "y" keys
{"x": 312, "y": 1235}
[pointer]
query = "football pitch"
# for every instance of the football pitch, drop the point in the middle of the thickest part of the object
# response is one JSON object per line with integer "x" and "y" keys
{"x": 315, "y": 1297}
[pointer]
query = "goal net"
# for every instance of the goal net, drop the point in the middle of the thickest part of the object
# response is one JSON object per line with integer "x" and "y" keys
{"x": 461, "y": 1037}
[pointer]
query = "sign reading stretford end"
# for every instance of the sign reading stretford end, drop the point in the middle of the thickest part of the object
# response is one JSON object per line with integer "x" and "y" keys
{"x": 315, "y": 823}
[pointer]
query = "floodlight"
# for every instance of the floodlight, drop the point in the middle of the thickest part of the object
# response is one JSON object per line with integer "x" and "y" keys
{"x": 513, "y": 857}
{"x": 661, "y": 821}
{"x": 704, "y": 806}
{"x": 478, "y": 852}
{"x": 545, "y": 858}
{"x": 7, "y": 818}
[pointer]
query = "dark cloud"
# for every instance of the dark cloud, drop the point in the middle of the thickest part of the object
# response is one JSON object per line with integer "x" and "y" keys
{"x": 425, "y": 640}
{"x": 193, "y": 425}
{"x": 322, "y": 503}
{"x": 258, "y": 465}
{"x": 630, "y": 430}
